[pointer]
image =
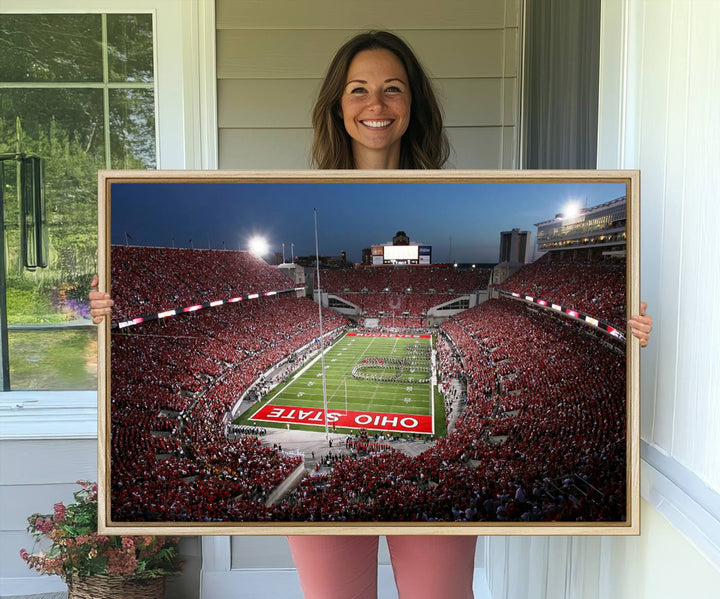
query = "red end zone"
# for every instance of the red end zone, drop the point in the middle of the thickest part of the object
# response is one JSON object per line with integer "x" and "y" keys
{"x": 392, "y": 335}
{"x": 399, "y": 423}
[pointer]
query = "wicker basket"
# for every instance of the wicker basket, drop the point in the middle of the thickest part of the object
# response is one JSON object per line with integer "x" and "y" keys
{"x": 116, "y": 587}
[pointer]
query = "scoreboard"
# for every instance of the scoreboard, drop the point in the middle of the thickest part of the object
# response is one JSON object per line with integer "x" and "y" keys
{"x": 401, "y": 254}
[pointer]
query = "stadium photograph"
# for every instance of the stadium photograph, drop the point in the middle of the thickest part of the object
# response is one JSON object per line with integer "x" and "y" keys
{"x": 287, "y": 352}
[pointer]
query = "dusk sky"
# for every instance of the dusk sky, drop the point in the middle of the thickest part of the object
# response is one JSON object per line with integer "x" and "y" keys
{"x": 461, "y": 221}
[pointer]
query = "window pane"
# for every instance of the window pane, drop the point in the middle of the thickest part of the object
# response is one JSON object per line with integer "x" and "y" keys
{"x": 48, "y": 117}
{"x": 55, "y": 359}
{"x": 37, "y": 48}
{"x": 132, "y": 128}
{"x": 130, "y": 47}
{"x": 65, "y": 128}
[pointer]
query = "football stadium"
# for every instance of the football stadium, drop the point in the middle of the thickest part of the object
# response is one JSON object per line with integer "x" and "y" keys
{"x": 399, "y": 388}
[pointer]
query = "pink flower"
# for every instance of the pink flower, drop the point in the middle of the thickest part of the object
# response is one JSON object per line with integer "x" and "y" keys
{"x": 44, "y": 526}
{"x": 121, "y": 562}
{"x": 53, "y": 565}
{"x": 24, "y": 555}
{"x": 59, "y": 509}
{"x": 128, "y": 543}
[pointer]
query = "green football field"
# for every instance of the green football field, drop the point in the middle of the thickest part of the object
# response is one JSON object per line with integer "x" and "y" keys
{"x": 375, "y": 382}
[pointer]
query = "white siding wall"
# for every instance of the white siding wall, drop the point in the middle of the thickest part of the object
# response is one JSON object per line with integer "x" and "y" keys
{"x": 660, "y": 82}
{"x": 34, "y": 475}
{"x": 272, "y": 56}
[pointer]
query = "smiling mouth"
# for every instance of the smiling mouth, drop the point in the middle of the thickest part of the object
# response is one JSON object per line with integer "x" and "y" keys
{"x": 376, "y": 124}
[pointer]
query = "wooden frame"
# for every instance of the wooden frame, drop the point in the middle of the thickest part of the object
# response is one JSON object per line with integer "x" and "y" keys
{"x": 577, "y": 491}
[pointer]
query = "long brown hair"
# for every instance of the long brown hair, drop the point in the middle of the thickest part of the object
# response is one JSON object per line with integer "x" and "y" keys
{"x": 424, "y": 144}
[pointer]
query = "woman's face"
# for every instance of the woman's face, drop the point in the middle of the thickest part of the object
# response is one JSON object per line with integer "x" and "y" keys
{"x": 375, "y": 105}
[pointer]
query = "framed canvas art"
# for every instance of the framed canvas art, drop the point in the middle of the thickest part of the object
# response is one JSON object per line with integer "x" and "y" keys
{"x": 365, "y": 352}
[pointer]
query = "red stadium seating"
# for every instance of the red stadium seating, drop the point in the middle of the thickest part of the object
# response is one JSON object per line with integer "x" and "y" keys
{"x": 542, "y": 436}
{"x": 594, "y": 286}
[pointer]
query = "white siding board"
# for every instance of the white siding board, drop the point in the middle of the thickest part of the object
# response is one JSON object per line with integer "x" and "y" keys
{"x": 475, "y": 147}
{"x": 51, "y": 461}
{"x": 253, "y": 54}
{"x": 510, "y": 101}
{"x": 511, "y": 38}
{"x": 558, "y": 563}
{"x": 459, "y": 53}
{"x": 511, "y": 159}
{"x": 537, "y": 561}
{"x": 288, "y": 103}
{"x": 370, "y": 14}
{"x": 265, "y": 148}
{"x": 519, "y": 586}
{"x": 259, "y": 103}
{"x": 471, "y": 102}
{"x": 471, "y": 148}
{"x": 675, "y": 22}
{"x": 585, "y": 567}
{"x": 513, "y": 13}
{"x": 19, "y": 501}
{"x": 653, "y": 143}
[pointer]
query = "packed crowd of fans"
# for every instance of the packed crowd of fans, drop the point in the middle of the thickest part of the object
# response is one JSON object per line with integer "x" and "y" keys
{"x": 592, "y": 285}
{"x": 173, "y": 384}
{"x": 417, "y": 279}
{"x": 541, "y": 438}
{"x": 149, "y": 279}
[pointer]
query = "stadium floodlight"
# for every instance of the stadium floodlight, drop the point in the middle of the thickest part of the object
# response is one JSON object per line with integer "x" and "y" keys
{"x": 571, "y": 210}
{"x": 258, "y": 245}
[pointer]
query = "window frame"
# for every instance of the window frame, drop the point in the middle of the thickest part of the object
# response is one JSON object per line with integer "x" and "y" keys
{"x": 186, "y": 137}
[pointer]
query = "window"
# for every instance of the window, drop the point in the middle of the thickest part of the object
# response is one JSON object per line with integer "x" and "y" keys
{"x": 77, "y": 90}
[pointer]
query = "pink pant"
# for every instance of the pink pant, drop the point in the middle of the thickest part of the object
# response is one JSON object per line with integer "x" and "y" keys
{"x": 345, "y": 567}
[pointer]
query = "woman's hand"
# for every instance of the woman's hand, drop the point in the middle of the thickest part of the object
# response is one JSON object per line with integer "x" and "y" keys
{"x": 100, "y": 303}
{"x": 641, "y": 325}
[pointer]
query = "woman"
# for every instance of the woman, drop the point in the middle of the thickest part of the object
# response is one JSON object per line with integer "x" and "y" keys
{"x": 377, "y": 110}
{"x": 355, "y": 92}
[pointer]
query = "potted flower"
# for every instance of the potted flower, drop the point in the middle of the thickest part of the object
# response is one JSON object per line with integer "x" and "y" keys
{"x": 94, "y": 565}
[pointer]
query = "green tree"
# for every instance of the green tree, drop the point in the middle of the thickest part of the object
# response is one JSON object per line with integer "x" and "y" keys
{"x": 66, "y": 127}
